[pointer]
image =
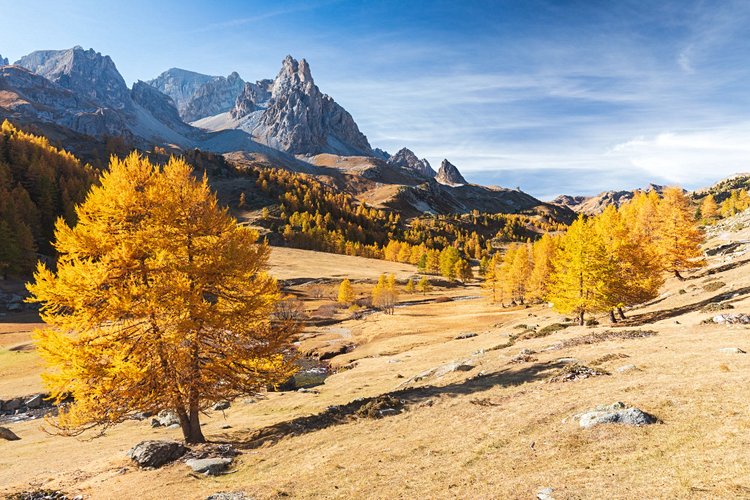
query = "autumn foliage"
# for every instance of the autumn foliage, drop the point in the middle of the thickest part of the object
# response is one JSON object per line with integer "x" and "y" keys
{"x": 160, "y": 301}
{"x": 605, "y": 263}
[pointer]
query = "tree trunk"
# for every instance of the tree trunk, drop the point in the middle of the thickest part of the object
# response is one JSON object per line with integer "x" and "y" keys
{"x": 612, "y": 316}
{"x": 581, "y": 319}
{"x": 621, "y": 313}
{"x": 191, "y": 426}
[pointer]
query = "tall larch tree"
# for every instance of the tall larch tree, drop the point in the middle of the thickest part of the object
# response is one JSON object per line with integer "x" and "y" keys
{"x": 346, "y": 293}
{"x": 679, "y": 237}
{"x": 543, "y": 252}
{"x": 581, "y": 271}
{"x": 160, "y": 301}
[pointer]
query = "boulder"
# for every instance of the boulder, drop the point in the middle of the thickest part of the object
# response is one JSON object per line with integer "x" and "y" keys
{"x": 165, "y": 418}
{"x": 617, "y": 413}
{"x": 209, "y": 466}
{"x": 13, "y": 404}
{"x": 732, "y": 319}
{"x": 234, "y": 495}
{"x": 545, "y": 494}
{"x": 156, "y": 453}
{"x": 8, "y": 434}
{"x": 221, "y": 406}
{"x": 35, "y": 401}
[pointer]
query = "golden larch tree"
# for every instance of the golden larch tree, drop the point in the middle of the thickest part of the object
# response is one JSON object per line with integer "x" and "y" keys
{"x": 346, "y": 293}
{"x": 679, "y": 237}
{"x": 160, "y": 301}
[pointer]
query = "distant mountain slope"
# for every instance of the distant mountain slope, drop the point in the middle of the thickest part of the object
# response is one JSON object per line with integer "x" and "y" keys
{"x": 592, "y": 205}
{"x": 181, "y": 85}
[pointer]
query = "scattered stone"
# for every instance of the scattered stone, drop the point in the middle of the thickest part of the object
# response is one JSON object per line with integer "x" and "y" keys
{"x": 225, "y": 426}
{"x": 617, "y": 413}
{"x": 235, "y": 495}
{"x": 8, "y": 434}
{"x": 308, "y": 391}
{"x": 716, "y": 307}
{"x": 567, "y": 361}
{"x": 575, "y": 371}
{"x": 221, "y": 406}
{"x": 165, "y": 418}
{"x": 732, "y": 319}
{"x": 38, "y": 495}
{"x": 156, "y": 453}
{"x": 463, "y": 336}
{"x": 627, "y": 368}
{"x": 209, "y": 466}
{"x": 525, "y": 356}
{"x": 380, "y": 407}
{"x": 35, "y": 401}
{"x": 545, "y": 494}
{"x": 731, "y": 350}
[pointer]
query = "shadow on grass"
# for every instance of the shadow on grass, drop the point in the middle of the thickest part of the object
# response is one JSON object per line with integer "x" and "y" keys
{"x": 651, "y": 317}
{"x": 342, "y": 414}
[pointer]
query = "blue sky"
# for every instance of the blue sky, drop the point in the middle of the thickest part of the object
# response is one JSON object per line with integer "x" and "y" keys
{"x": 554, "y": 97}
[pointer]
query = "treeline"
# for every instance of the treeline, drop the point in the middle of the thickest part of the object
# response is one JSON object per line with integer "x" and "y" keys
{"x": 736, "y": 201}
{"x": 314, "y": 216}
{"x": 38, "y": 184}
{"x": 604, "y": 263}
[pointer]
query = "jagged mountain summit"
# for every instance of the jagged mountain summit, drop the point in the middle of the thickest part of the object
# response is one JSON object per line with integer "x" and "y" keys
{"x": 449, "y": 175}
{"x": 3, "y": 61}
{"x": 291, "y": 114}
{"x": 406, "y": 159}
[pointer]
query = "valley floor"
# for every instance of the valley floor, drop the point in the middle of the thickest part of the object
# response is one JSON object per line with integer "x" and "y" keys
{"x": 483, "y": 425}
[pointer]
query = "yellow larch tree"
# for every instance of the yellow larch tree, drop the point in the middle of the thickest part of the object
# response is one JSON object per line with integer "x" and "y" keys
{"x": 160, "y": 301}
{"x": 709, "y": 208}
{"x": 679, "y": 237}
{"x": 543, "y": 252}
{"x": 346, "y": 293}
{"x": 581, "y": 271}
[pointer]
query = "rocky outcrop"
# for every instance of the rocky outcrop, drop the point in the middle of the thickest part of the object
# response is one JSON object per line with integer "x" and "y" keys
{"x": 254, "y": 97}
{"x": 407, "y": 160}
{"x": 299, "y": 118}
{"x": 214, "y": 97}
{"x": 181, "y": 85}
{"x": 87, "y": 73}
{"x": 160, "y": 105}
{"x": 3, "y": 61}
{"x": 449, "y": 175}
{"x": 617, "y": 413}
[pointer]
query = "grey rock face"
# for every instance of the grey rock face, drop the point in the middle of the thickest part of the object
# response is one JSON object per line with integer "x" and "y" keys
{"x": 449, "y": 175}
{"x": 156, "y": 453}
{"x": 214, "y": 97}
{"x": 165, "y": 419}
{"x": 160, "y": 105}
{"x": 254, "y": 97}
{"x": 85, "y": 72}
{"x": 732, "y": 319}
{"x": 617, "y": 413}
{"x": 35, "y": 401}
{"x": 181, "y": 85}
{"x": 407, "y": 160}
{"x": 8, "y": 434}
{"x": 300, "y": 119}
{"x": 3, "y": 61}
{"x": 209, "y": 466}
{"x": 382, "y": 154}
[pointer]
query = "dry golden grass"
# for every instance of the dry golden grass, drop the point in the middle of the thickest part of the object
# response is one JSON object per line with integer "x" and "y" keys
{"x": 500, "y": 430}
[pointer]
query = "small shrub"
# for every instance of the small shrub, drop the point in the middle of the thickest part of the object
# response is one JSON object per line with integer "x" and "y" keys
{"x": 591, "y": 322}
{"x": 682, "y": 291}
{"x": 554, "y": 327}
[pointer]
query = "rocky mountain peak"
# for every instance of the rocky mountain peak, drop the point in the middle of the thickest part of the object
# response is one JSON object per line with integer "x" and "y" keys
{"x": 85, "y": 72}
{"x": 449, "y": 174}
{"x": 213, "y": 97}
{"x": 181, "y": 85}
{"x": 300, "y": 119}
{"x": 406, "y": 159}
{"x": 3, "y": 61}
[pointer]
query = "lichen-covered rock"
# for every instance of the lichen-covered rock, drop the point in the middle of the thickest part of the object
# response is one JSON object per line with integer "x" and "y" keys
{"x": 156, "y": 453}
{"x": 209, "y": 466}
{"x": 617, "y": 413}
